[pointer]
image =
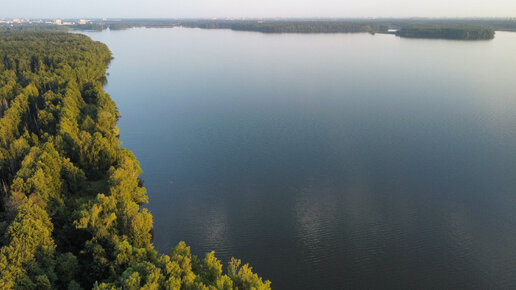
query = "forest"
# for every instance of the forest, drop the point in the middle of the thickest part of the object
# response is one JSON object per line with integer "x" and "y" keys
{"x": 446, "y": 32}
{"x": 71, "y": 214}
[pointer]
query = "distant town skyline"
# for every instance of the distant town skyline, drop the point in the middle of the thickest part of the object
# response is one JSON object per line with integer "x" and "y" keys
{"x": 256, "y": 8}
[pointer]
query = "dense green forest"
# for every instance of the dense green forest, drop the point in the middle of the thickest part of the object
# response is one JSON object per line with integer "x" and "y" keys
{"x": 71, "y": 213}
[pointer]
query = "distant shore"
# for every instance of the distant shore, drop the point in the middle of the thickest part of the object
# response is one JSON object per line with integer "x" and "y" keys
{"x": 447, "y": 32}
{"x": 460, "y": 29}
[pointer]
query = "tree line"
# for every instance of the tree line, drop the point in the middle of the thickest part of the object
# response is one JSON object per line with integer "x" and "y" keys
{"x": 449, "y": 28}
{"x": 298, "y": 26}
{"x": 446, "y": 32}
{"x": 71, "y": 213}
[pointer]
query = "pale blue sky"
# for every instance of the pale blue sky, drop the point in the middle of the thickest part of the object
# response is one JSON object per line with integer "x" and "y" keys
{"x": 256, "y": 8}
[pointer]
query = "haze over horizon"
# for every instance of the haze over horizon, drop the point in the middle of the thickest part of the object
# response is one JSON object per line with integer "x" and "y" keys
{"x": 256, "y": 9}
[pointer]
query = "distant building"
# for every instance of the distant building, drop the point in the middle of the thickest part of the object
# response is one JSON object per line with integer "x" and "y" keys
{"x": 82, "y": 21}
{"x": 58, "y": 21}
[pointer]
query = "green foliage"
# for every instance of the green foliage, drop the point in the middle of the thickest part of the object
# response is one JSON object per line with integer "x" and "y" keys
{"x": 71, "y": 202}
{"x": 67, "y": 267}
{"x": 243, "y": 276}
{"x": 28, "y": 249}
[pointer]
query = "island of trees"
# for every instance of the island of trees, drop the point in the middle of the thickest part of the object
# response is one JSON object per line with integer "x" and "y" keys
{"x": 71, "y": 213}
{"x": 446, "y": 32}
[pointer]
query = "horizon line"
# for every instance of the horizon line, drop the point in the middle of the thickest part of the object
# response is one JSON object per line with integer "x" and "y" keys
{"x": 275, "y": 18}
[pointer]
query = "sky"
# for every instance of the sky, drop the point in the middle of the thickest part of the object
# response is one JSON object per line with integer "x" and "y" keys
{"x": 255, "y": 8}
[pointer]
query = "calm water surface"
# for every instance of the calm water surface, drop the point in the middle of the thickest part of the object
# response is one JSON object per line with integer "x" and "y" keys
{"x": 327, "y": 161}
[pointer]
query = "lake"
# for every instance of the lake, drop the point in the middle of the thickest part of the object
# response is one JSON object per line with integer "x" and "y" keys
{"x": 326, "y": 161}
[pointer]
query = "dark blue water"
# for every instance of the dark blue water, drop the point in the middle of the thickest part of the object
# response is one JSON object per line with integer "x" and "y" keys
{"x": 327, "y": 161}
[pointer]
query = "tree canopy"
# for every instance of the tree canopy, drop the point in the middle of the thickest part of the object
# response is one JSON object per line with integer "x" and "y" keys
{"x": 71, "y": 213}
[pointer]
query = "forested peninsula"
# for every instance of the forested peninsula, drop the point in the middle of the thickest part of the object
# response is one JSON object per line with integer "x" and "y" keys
{"x": 71, "y": 213}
